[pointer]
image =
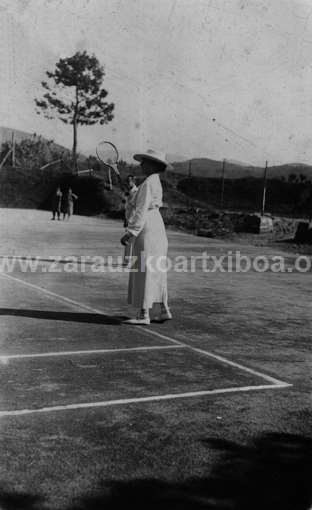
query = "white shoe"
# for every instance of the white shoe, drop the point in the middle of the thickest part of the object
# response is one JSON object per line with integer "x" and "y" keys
{"x": 144, "y": 322}
{"x": 140, "y": 319}
{"x": 164, "y": 316}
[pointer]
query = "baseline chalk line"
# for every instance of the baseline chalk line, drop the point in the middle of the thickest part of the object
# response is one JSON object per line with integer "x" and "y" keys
{"x": 127, "y": 401}
{"x": 7, "y": 357}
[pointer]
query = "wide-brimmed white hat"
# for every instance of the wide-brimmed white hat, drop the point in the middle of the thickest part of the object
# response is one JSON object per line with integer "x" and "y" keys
{"x": 154, "y": 156}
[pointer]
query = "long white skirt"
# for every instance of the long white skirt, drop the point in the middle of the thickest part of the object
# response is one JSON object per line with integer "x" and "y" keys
{"x": 148, "y": 277}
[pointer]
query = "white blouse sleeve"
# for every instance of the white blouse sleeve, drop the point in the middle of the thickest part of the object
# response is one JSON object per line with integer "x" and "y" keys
{"x": 142, "y": 203}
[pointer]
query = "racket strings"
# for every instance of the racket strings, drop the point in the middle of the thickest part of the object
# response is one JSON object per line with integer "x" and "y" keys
{"x": 107, "y": 153}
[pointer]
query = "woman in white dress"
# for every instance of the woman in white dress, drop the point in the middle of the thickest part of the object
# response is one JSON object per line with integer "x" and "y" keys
{"x": 146, "y": 231}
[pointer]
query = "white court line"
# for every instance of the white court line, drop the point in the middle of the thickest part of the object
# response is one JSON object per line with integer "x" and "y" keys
{"x": 147, "y": 331}
{"x": 53, "y": 295}
{"x": 6, "y": 357}
{"x": 275, "y": 383}
{"x": 63, "y": 260}
{"x": 266, "y": 377}
{"x": 154, "y": 398}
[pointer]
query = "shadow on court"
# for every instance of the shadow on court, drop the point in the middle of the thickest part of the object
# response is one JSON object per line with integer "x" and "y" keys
{"x": 91, "y": 318}
{"x": 272, "y": 472}
{"x": 20, "y": 501}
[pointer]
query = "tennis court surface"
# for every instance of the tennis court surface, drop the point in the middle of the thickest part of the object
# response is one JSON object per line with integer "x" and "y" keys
{"x": 87, "y": 400}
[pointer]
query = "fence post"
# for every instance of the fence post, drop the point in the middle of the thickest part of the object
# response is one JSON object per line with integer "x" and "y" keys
{"x": 222, "y": 184}
{"x": 264, "y": 188}
{"x": 13, "y": 149}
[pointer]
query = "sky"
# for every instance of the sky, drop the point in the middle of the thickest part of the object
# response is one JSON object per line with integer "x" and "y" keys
{"x": 195, "y": 78}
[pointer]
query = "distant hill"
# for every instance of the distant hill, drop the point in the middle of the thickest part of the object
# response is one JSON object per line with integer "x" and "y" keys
{"x": 296, "y": 169}
{"x": 209, "y": 168}
{"x": 199, "y": 167}
{"x": 175, "y": 158}
{"x": 6, "y": 136}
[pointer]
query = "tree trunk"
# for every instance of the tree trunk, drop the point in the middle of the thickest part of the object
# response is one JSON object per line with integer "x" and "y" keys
{"x": 74, "y": 154}
{"x": 75, "y": 164}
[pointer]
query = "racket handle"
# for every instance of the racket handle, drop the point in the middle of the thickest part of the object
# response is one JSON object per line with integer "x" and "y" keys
{"x": 115, "y": 169}
{"x": 110, "y": 177}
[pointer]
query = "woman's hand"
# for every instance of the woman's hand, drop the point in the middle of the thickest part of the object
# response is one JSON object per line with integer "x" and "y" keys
{"x": 126, "y": 238}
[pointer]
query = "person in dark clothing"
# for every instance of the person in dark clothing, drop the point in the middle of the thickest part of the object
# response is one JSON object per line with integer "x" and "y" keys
{"x": 56, "y": 204}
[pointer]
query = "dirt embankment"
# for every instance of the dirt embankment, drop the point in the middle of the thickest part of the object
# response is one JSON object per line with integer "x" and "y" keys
{"x": 241, "y": 228}
{"x": 226, "y": 224}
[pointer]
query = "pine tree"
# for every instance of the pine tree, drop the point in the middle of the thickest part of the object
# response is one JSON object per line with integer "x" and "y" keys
{"x": 75, "y": 95}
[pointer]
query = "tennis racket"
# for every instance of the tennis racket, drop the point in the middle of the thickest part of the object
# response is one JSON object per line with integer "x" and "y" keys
{"x": 107, "y": 154}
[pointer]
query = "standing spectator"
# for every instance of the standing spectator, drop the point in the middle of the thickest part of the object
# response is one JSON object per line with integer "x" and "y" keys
{"x": 68, "y": 203}
{"x": 56, "y": 203}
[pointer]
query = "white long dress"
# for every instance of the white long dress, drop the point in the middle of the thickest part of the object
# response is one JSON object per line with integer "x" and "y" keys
{"x": 148, "y": 280}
